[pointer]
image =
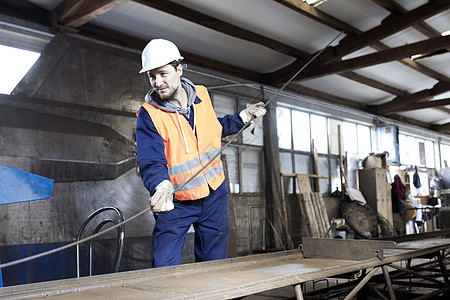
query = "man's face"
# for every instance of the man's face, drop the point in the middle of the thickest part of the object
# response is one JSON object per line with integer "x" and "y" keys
{"x": 166, "y": 80}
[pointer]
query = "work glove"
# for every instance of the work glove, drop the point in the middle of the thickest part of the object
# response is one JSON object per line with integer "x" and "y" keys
{"x": 256, "y": 111}
{"x": 161, "y": 201}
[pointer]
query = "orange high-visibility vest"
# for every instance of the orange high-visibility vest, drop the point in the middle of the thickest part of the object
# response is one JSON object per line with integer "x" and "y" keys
{"x": 183, "y": 162}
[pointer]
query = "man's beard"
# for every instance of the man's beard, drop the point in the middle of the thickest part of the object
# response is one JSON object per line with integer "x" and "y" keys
{"x": 168, "y": 93}
{"x": 161, "y": 99}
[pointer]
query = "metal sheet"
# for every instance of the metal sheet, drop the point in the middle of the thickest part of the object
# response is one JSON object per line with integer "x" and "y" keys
{"x": 220, "y": 279}
{"x": 345, "y": 249}
{"x": 20, "y": 186}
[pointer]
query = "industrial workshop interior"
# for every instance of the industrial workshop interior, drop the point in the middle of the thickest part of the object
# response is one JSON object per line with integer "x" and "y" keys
{"x": 341, "y": 191}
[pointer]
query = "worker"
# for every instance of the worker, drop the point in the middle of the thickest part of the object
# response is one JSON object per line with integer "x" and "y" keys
{"x": 177, "y": 134}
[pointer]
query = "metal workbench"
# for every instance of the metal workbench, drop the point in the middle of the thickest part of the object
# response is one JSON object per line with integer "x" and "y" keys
{"x": 237, "y": 277}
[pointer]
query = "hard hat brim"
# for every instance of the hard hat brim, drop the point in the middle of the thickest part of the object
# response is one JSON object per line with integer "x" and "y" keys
{"x": 143, "y": 70}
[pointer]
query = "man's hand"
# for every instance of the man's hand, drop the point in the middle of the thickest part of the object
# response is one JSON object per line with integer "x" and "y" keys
{"x": 253, "y": 114}
{"x": 161, "y": 201}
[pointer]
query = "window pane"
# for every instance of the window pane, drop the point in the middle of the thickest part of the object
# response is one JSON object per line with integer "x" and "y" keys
{"x": 300, "y": 127}
{"x": 254, "y": 134}
{"x": 319, "y": 133}
{"x": 286, "y": 167}
{"x": 302, "y": 164}
{"x": 251, "y": 170}
{"x": 15, "y": 64}
{"x": 335, "y": 175}
{"x": 323, "y": 171}
{"x": 224, "y": 105}
{"x": 422, "y": 158}
{"x": 364, "y": 140}
{"x": 284, "y": 127}
{"x": 445, "y": 155}
{"x": 429, "y": 154}
{"x": 413, "y": 150}
{"x": 230, "y": 155}
{"x": 403, "y": 145}
{"x": 334, "y": 136}
{"x": 350, "y": 137}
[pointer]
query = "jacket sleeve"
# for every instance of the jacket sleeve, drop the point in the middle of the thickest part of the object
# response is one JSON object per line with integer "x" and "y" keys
{"x": 150, "y": 152}
{"x": 231, "y": 124}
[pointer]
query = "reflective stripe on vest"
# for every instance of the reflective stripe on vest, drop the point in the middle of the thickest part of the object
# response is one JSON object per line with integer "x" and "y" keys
{"x": 181, "y": 165}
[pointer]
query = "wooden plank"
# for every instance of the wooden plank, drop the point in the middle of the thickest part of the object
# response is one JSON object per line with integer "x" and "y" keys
{"x": 311, "y": 214}
{"x": 318, "y": 213}
{"x": 303, "y": 183}
{"x": 284, "y": 218}
{"x": 309, "y": 175}
{"x": 324, "y": 214}
{"x": 305, "y": 215}
{"x": 316, "y": 170}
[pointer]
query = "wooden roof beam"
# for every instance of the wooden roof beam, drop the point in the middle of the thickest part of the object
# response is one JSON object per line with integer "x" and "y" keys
{"x": 319, "y": 16}
{"x": 396, "y": 9}
{"x": 352, "y": 43}
{"x": 221, "y": 26}
{"x": 444, "y": 128}
{"x": 75, "y": 13}
{"x": 420, "y": 105}
{"x": 379, "y": 57}
{"x": 402, "y": 102}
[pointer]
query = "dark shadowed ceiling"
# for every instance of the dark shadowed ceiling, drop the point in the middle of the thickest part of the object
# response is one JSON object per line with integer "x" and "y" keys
{"x": 390, "y": 58}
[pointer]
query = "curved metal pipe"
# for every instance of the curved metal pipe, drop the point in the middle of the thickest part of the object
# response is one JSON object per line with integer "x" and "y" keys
{"x": 120, "y": 231}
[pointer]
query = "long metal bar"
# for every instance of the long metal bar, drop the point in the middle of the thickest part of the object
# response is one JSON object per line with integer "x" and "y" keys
{"x": 298, "y": 292}
{"x": 387, "y": 278}
{"x": 417, "y": 274}
{"x": 359, "y": 286}
{"x": 433, "y": 294}
{"x": 443, "y": 267}
{"x": 376, "y": 291}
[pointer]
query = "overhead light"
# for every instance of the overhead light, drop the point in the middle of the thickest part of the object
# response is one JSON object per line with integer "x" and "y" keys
{"x": 314, "y": 2}
{"x": 445, "y": 33}
{"x": 15, "y": 64}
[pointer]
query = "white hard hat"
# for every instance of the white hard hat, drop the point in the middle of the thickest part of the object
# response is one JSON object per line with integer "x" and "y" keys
{"x": 158, "y": 53}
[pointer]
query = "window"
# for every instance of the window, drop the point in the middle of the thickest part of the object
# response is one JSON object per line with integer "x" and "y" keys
{"x": 244, "y": 157}
{"x": 301, "y": 132}
{"x": 15, "y": 64}
{"x": 445, "y": 155}
{"x": 415, "y": 151}
{"x": 284, "y": 128}
{"x": 298, "y": 130}
{"x": 319, "y": 133}
{"x": 364, "y": 140}
{"x": 350, "y": 137}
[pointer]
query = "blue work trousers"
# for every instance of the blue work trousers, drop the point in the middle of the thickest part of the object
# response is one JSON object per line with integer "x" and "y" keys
{"x": 210, "y": 219}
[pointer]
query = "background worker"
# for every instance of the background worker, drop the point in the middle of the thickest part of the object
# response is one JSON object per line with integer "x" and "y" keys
{"x": 177, "y": 133}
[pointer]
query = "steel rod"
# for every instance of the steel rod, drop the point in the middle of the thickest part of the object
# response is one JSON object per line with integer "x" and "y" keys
{"x": 417, "y": 274}
{"x": 361, "y": 283}
{"x": 298, "y": 292}
{"x": 387, "y": 278}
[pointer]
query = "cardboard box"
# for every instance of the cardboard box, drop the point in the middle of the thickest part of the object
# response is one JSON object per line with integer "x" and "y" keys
{"x": 423, "y": 199}
{"x": 373, "y": 162}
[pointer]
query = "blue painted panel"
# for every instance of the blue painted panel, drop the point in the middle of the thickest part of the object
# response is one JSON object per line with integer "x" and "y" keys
{"x": 1, "y": 281}
{"x": 59, "y": 265}
{"x": 19, "y": 186}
